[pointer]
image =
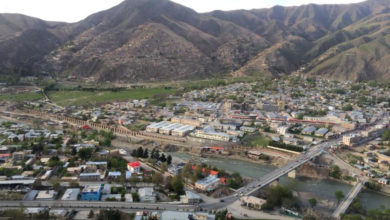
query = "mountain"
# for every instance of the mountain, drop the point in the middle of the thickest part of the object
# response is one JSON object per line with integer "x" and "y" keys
{"x": 154, "y": 40}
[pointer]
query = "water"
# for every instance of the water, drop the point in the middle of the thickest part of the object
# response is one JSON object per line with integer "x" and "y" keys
{"x": 322, "y": 188}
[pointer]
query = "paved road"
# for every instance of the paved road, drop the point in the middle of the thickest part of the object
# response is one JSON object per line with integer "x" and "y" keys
{"x": 97, "y": 204}
{"x": 348, "y": 200}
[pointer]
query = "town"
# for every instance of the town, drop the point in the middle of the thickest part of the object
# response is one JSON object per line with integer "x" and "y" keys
{"x": 151, "y": 156}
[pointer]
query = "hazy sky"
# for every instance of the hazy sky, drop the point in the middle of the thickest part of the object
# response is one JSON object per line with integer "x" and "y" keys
{"x": 75, "y": 10}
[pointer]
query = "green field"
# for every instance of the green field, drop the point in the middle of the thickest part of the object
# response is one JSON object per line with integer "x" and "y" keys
{"x": 21, "y": 97}
{"x": 66, "y": 98}
{"x": 259, "y": 141}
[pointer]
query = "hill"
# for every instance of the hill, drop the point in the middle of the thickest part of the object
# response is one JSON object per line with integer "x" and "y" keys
{"x": 154, "y": 40}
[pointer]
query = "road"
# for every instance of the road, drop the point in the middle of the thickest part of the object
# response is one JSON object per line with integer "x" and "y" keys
{"x": 97, "y": 204}
{"x": 348, "y": 200}
{"x": 254, "y": 186}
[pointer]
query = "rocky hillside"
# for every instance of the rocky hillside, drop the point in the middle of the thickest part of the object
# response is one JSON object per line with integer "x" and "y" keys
{"x": 150, "y": 40}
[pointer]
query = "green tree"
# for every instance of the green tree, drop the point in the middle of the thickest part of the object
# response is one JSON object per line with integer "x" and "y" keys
{"x": 335, "y": 172}
{"x": 169, "y": 159}
{"x": 339, "y": 195}
{"x": 140, "y": 152}
{"x": 178, "y": 184}
{"x": 135, "y": 196}
{"x": 276, "y": 196}
{"x": 313, "y": 202}
{"x": 186, "y": 171}
{"x": 235, "y": 181}
{"x": 85, "y": 153}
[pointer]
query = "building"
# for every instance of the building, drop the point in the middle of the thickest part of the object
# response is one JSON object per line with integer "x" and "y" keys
{"x": 46, "y": 195}
{"x": 91, "y": 193}
{"x": 309, "y": 130}
{"x": 207, "y": 184}
{"x": 252, "y": 202}
{"x": 191, "y": 198}
{"x": 114, "y": 175}
{"x": 248, "y": 129}
{"x": 254, "y": 154}
{"x": 169, "y": 128}
{"x": 182, "y": 131}
{"x": 210, "y": 133}
{"x": 71, "y": 194}
{"x": 283, "y": 130}
{"x": 186, "y": 121}
{"x": 147, "y": 194}
{"x": 351, "y": 139}
{"x": 94, "y": 176}
{"x": 384, "y": 181}
{"x": 321, "y": 132}
{"x": 155, "y": 127}
{"x": 134, "y": 167}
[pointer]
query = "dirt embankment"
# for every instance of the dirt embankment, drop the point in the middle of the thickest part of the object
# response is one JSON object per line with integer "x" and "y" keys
{"x": 311, "y": 170}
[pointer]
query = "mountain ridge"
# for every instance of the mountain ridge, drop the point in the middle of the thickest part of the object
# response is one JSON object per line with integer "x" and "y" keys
{"x": 154, "y": 40}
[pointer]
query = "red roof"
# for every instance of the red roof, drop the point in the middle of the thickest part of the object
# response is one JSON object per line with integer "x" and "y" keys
{"x": 85, "y": 127}
{"x": 194, "y": 168}
{"x": 5, "y": 155}
{"x": 134, "y": 164}
{"x": 213, "y": 172}
{"x": 217, "y": 148}
{"x": 223, "y": 180}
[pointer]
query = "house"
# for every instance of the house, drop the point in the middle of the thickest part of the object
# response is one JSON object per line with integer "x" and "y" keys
{"x": 94, "y": 176}
{"x": 71, "y": 194}
{"x": 252, "y": 202}
{"x": 191, "y": 198}
{"x": 134, "y": 167}
{"x": 207, "y": 184}
{"x": 91, "y": 193}
{"x": 309, "y": 130}
{"x": 114, "y": 175}
{"x": 321, "y": 132}
{"x": 283, "y": 130}
{"x": 254, "y": 154}
{"x": 384, "y": 181}
{"x": 147, "y": 194}
{"x": 46, "y": 195}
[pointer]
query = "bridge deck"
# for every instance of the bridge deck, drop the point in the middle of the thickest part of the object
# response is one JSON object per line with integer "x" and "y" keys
{"x": 343, "y": 206}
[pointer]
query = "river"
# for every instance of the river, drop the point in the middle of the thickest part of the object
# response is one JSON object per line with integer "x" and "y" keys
{"x": 322, "y": 188}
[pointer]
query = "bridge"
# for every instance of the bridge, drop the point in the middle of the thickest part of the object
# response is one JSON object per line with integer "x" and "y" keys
{"x": 347, "y": 201}
{"x": 256, "y": 185}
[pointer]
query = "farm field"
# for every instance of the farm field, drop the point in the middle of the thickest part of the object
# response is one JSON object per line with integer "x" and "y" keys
{"x": 66, "y": 98}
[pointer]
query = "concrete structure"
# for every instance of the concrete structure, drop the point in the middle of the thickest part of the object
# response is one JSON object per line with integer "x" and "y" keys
{"x": 91, "y": 193}
{"x": 182, "y": 131}
{"x": 46, "y": 195}
{"x": 351, "y": 139}
{"x": 134, "y": 167}
{"x": 343, "y": 206}
{"x": 252, "y": 202}
{"x": 207, "y": 184}
{"x": 154, "y": 127}
{"x": 95, "y": 176}
{"x": 210, "y": 133}
{"x": 147, "y": 194}
{"x": 71, "y": 194}
{"x": 191, "y": 198}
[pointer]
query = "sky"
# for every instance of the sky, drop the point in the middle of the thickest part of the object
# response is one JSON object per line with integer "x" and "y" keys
{"x": 76, "y": 10}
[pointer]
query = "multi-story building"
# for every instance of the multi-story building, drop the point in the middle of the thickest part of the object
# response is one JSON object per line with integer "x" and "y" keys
{"x": 91, "y": 193}
{"x": 207, "y": 184}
